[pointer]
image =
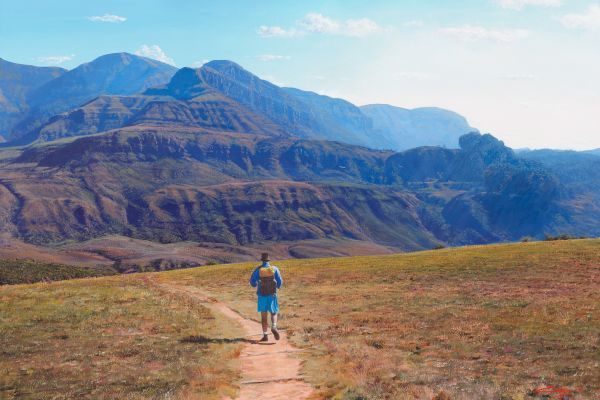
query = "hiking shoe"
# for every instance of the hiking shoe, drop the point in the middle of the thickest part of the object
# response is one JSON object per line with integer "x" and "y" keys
{"x": 265, "y": 338}
{"x": 275, "y": 333}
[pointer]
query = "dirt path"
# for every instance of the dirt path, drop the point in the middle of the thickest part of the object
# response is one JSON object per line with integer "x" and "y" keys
{"x": 270, "y": 371}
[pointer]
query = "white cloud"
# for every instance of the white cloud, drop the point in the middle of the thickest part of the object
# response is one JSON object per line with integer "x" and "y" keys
{"x": 154, "y": 52}
{"x": 589, "y": 20}
{"x": 272, "y": 57}
{"x": 320, "y": 24}
{"x": 53, "y": 60}
{"x": 107, "y": 18}
{"x": 276, "y": 31}
{"x": 360, "y": 27}
{"x": 520, "y": 4}
{"x": 471, "y": 33}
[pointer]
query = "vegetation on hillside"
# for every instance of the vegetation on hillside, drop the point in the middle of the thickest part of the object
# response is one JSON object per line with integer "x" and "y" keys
{"x": 28, "y": 271}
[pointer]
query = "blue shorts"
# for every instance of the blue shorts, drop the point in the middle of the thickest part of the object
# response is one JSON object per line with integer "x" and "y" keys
{"x": 268, "y": 304}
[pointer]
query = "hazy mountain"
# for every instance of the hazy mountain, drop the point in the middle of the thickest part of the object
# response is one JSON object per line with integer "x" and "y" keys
{"x": 116, "y": 74}
{"x": 299, "y": 113}
{"x": 575, "y": 168}
{"x": 595, "y": 152}
{"x": 17, "y": 81}
{"x": 222, "y": 95}
{"x": 402, "y": 129}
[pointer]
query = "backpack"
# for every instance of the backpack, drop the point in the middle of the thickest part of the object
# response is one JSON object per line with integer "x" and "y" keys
{"x": 267, "y": 285}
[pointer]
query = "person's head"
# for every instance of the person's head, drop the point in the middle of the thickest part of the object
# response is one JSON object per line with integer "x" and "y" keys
{"x": 264, "y": 258}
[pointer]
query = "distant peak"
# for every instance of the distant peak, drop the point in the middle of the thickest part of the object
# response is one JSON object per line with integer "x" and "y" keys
{"x": 218, "y": 64}
{"x": 116, "y": 56}
{"x": 128, "y": 58}
{"x": 185, "y": 77}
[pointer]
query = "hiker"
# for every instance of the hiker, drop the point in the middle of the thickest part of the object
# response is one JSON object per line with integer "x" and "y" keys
{"x": 266, "y": 278}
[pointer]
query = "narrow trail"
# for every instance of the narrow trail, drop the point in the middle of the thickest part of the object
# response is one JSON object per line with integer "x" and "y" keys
{"x": 270, "y": 371}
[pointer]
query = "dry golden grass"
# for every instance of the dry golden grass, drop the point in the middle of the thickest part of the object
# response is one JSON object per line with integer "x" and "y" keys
{"x": 487, "y": 322}
{"x": 484, "y": 322}
{"x": 114, "y": 338}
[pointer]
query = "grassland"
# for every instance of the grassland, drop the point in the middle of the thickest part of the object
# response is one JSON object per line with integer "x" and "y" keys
{"x": 110, "y": 338}
{"x": 487, "y": 322}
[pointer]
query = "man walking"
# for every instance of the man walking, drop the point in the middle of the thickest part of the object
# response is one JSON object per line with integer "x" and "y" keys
{"x": 266, "y": 278}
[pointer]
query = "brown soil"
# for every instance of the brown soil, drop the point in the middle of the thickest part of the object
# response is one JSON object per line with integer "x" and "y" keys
{"x": 270, "y": 371}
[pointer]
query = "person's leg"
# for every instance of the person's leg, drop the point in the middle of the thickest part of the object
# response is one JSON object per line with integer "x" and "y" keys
{"x": 265, "y": 323}
{"x": 274, "y": 326}
{"x": 274, "y": 320}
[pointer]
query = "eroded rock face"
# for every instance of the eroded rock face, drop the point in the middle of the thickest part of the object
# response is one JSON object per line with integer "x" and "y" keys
{"x": 171, "y": 184}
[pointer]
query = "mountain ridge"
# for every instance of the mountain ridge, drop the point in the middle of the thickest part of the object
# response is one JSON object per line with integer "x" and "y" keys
{"x": 288, "y": 111}
{"x": 17, "y": 81}
{"x": 116, "y": 73}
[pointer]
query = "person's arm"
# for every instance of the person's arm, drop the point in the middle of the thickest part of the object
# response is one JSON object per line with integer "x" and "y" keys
{"x": 278, "y": 278}
{"x": 254, "y": 278}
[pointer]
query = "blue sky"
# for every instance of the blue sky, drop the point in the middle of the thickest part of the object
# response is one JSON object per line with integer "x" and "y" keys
{"x": 523, "y": 70}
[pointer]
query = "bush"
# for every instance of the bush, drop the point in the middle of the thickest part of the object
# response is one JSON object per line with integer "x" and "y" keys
{"x": 550, "y": 238}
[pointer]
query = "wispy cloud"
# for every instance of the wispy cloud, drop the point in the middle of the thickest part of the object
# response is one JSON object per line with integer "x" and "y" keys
{"x": 154, "y": 52}
{"x": 276, "y": 31}
{"x": 271, "y": 57}
{"x": 359, "y": 27}
{"x": 319, "y": 23}
{"x": 471, "y": 33}
{"x": 115, "y": 19}
{"x": 315, "y": 23}
{"x": 520, "y": 4}
{"x": 589, "y": 20}
{"x": 54, "y": 60}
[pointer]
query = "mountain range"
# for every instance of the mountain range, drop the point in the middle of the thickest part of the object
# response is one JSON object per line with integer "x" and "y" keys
{"x": 218, "y": 155}
{"x": 286, "y": 110}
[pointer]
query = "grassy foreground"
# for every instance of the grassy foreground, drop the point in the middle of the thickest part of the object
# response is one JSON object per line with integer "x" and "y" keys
{"x": 110, "y": 338}
{"x": 484, "y": 322}
{"x": 488, "y": 322}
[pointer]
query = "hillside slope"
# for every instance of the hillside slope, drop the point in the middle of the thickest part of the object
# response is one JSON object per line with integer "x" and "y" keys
{"x": 17, "y": 81}
{"x": 115, "y": 74}
{"x": 496, "y": 321}
{"x": 169, "y": 185}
